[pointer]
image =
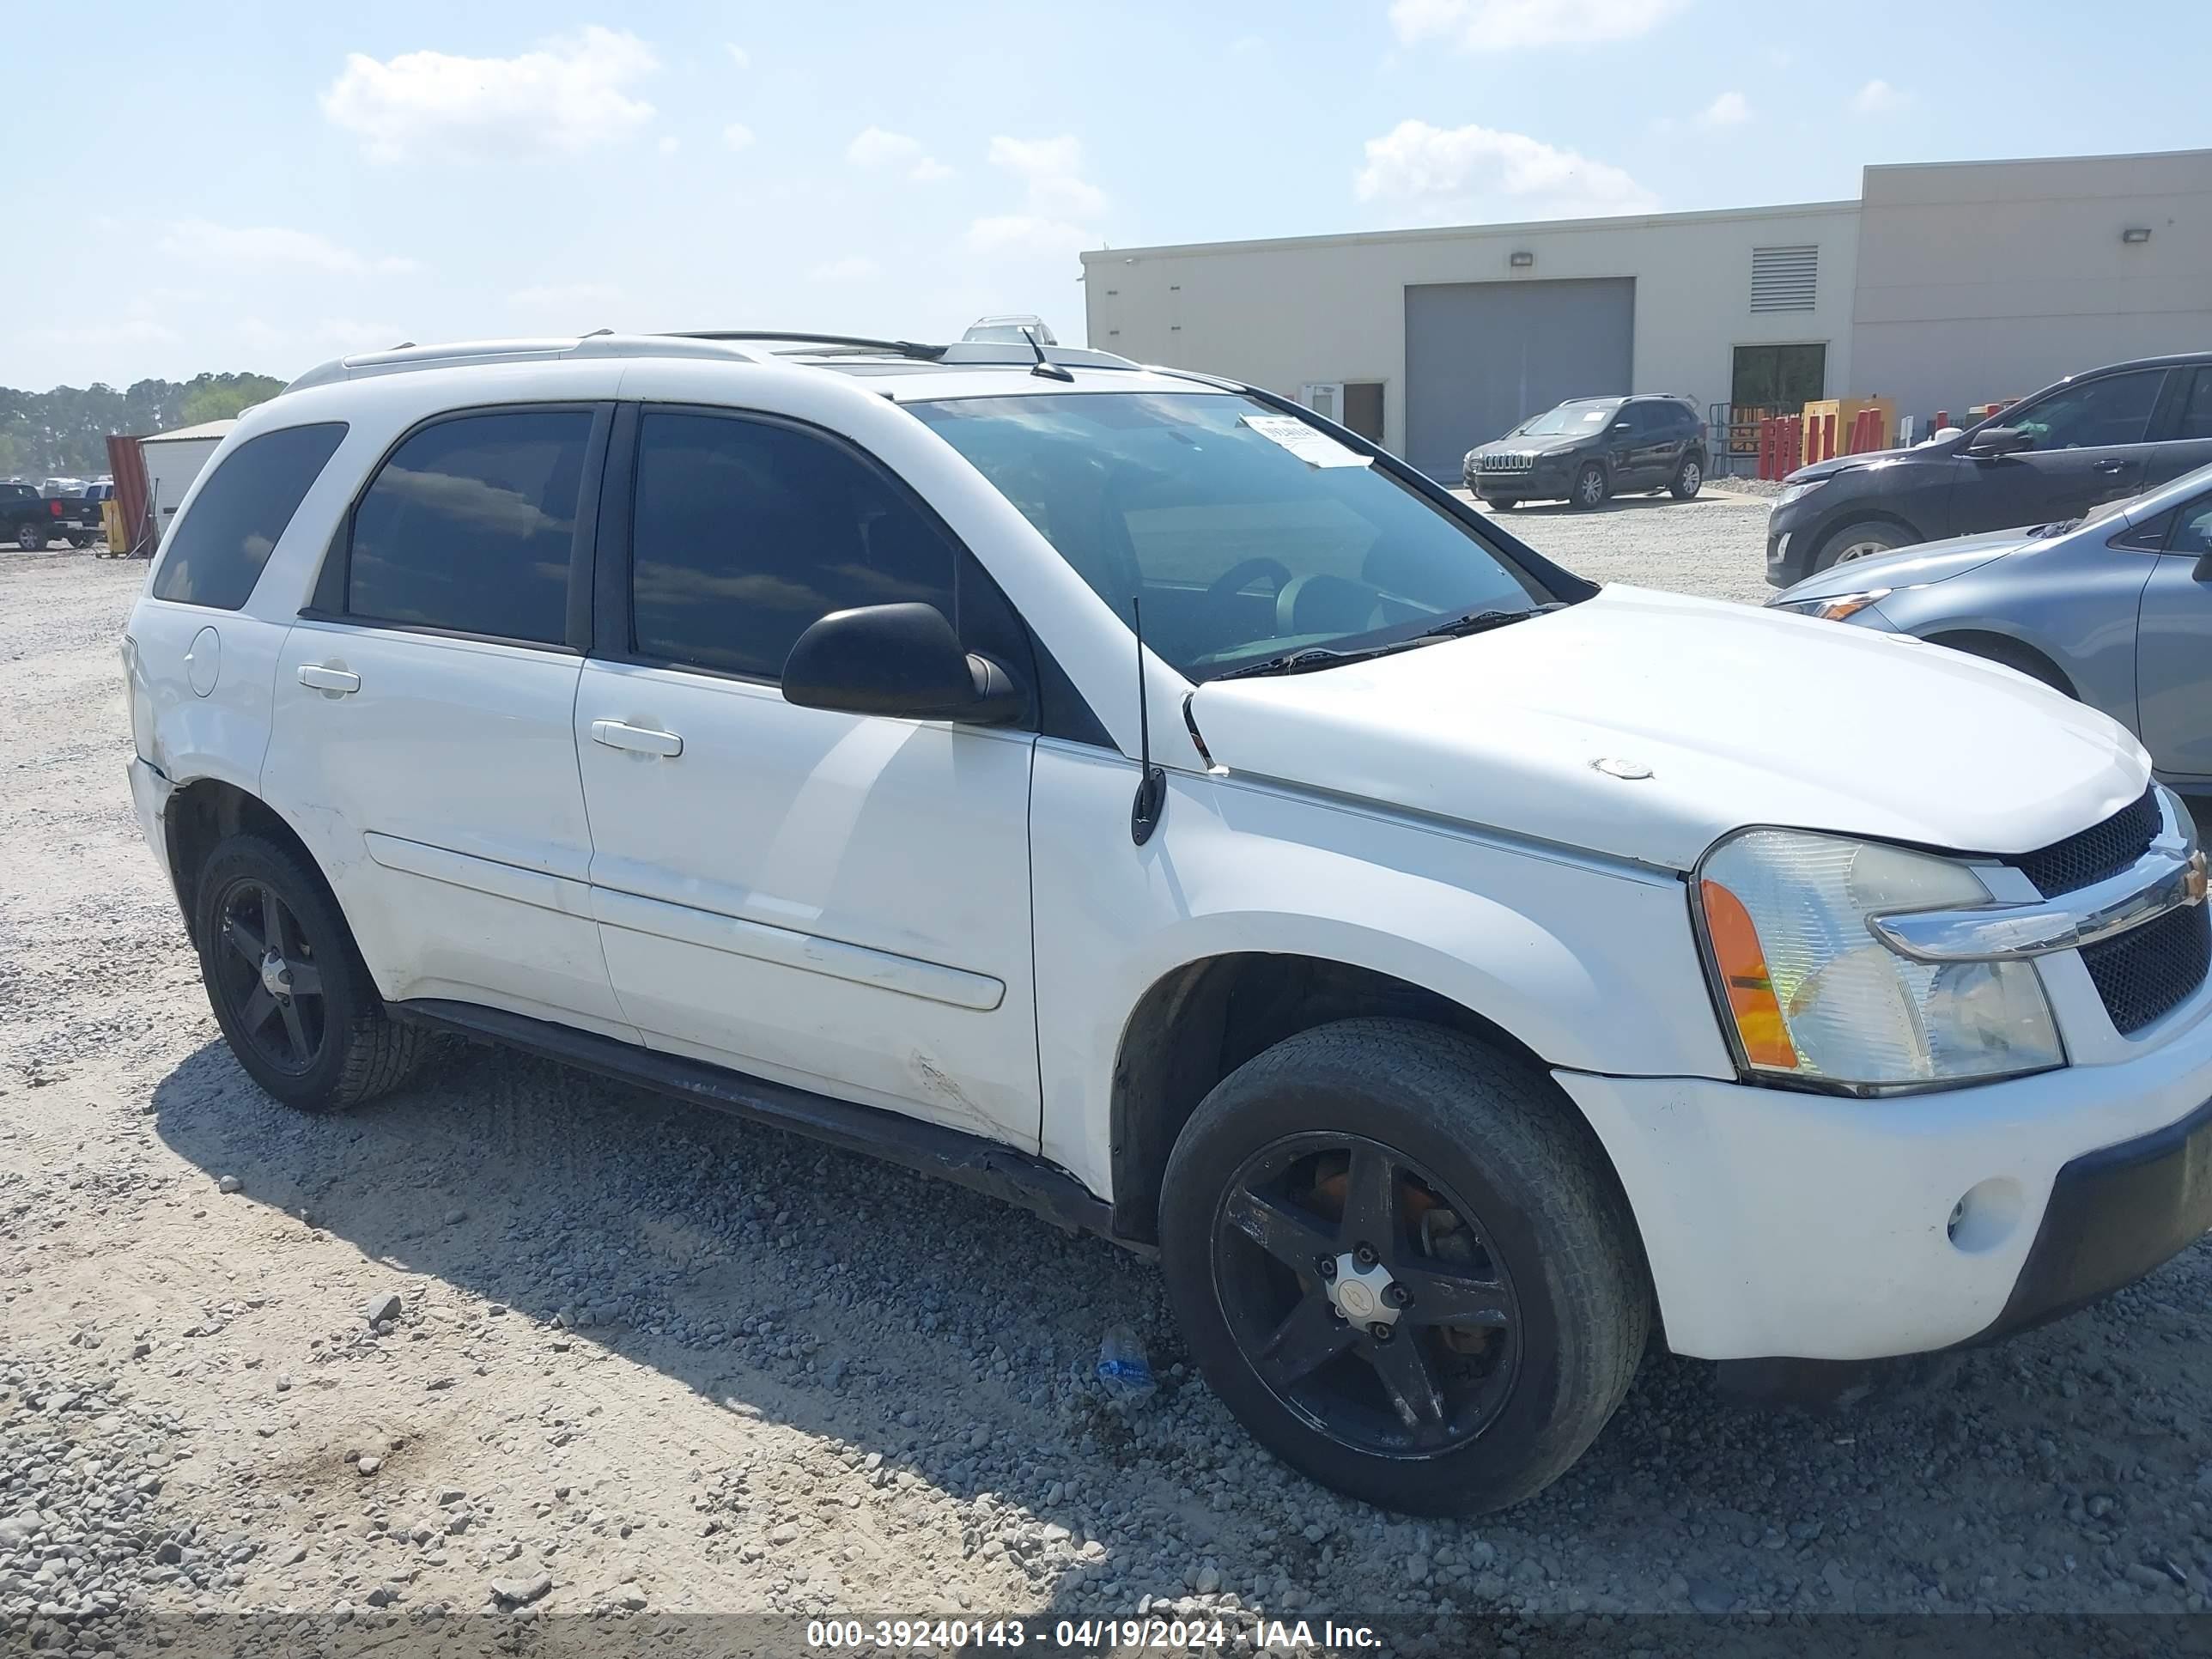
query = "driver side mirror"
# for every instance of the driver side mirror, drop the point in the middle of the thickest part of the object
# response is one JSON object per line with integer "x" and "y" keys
{"x": 903, "y": 660}
{"x": 2000, "y": 441}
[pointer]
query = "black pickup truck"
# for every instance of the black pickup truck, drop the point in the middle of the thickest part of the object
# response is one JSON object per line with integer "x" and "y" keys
{"x": 31, "y": 520}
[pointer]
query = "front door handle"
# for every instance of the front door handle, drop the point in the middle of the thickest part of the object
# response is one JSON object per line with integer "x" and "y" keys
{"x": 342, "y": 681}
{"x": 2111, "y": 469}
{"x": 639, "y": 740}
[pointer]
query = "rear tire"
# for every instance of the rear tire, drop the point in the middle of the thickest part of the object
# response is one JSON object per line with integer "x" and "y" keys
{"x": 319, "y": 1050}
{"x": 1689, "y": 478}
{"x": 30, "y": 537}
{"x": 1408, "y": 1122}
{"x": 1591, "y": 486}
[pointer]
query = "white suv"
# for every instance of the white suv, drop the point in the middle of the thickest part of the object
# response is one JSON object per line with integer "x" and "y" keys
{"x": 1485, "y": 968}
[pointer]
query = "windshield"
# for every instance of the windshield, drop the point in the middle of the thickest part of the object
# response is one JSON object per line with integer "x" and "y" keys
{"x": 1246, "y": 532}
{"x": 1577, "y": 418}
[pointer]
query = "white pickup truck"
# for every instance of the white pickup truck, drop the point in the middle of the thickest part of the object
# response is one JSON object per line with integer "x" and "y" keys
{"x": 1126, "y": 792}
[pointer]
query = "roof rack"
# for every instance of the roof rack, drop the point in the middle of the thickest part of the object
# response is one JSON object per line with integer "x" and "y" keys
{"x": 852, "y": 342}
{"x": 727, "y": 345}
{"x": 456, "y": 354}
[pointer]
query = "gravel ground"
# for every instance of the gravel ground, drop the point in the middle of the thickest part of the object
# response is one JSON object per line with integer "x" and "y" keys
{"x": 1715, "y": 544}
{"x": 520, "y": 1343}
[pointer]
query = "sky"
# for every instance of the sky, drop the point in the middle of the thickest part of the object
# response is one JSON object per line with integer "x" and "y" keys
{"x": 264, "y": 187}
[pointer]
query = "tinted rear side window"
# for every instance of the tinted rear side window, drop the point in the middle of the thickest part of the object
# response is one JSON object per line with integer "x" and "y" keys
{"x": 470, "y": 526}
{"x": 217, "y": 548}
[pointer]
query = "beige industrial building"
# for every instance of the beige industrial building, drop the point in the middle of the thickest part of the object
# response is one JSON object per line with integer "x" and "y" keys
{"x": 1943, "y": 285}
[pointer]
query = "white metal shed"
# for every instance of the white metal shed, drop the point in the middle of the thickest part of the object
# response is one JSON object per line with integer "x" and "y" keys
{"x": 173, "y": 460}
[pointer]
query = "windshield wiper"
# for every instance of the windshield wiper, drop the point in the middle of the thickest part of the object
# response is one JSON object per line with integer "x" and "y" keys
{"x": 1482, "y": 622}
{"x": 1306, "y": 659}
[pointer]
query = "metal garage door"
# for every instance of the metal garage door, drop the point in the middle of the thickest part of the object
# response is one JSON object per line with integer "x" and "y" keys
{"x": 1482, "y": 356}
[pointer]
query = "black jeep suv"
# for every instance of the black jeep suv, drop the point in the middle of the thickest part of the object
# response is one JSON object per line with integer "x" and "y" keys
{"x": 1589, "y": 449}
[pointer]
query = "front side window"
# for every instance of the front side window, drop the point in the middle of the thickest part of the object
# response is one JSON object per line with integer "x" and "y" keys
{"x": 1239, "y": 546}
{"x": 216, "y": 551}
{"x": 747, "y": 532}
{"x": 470, "y": 526}
{"x": 2197, "y": 412}
{"x": 2094, "y": 415}
{"x": 2192, "y": 529}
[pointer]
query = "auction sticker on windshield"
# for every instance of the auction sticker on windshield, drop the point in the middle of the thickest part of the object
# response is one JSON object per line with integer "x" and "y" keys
{"x": 1310, "y": 445}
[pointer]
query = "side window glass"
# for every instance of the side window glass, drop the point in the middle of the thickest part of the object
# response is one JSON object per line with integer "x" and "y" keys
{"x": 2147, "y": 537}
{"x": 2197, "y": 413}
{"x": 747, "y": 532}
{"x": 2192, "y": 529}
{"x": 470, "y": 526}
{"x": 2113, "y": 411}
{"x": 216, "y": 551}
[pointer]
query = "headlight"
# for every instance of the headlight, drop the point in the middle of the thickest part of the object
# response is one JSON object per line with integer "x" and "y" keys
{"x": 1812, "y": 993}
{"x": 1792, "y": 492}
{"x": 1837, "y": 607}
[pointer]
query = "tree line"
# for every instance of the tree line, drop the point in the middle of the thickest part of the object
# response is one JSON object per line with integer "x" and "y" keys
{"x": 64, "y": 432}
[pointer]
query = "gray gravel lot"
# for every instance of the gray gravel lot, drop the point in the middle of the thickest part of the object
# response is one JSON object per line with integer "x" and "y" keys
{"x": 1715, "y": 545}
{"x": 648, "y": 1362}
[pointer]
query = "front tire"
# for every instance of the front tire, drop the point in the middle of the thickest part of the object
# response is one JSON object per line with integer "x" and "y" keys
{"x": 1591, "y": 486}
{"x": 1399, "y": 1258}
{"x": 287, "y": 985}
{"x": 30, "y": 537}
{"x": 1689, "y": 478}
{"x": 1868, "y": 538}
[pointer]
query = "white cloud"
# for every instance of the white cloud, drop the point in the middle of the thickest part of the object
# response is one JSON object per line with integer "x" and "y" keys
{"x": 857, "y": 268}
{"x": 1026, "y": 233}
{"x": 1049, "y": 167}
{"x": 670, "y": 145}
{"x": 1507, "y": 24}
{"x": 738, "y": 55}
{"x": 1876, "y": 97}
{"x": 566, "y": 95}
{"x": 563, "y": 296}
{"x": 1438, "y": 172}
{"x": 259, "y": 248}
{"x": 1728, "y": 110}
{"x": 879, "y": 148}
{"x": 736, "y": 135}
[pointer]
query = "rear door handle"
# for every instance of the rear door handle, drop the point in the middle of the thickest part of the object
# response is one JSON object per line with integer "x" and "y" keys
{"x": 639, "y": 740}
{"x": 342, "y": 681}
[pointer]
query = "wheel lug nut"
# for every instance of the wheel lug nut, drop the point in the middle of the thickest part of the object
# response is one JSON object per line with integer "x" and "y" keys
{"x": 1379, "y": 1331}
{"x": 1326, "y": 1267}
{"x": 1396, "y": 1297}
{"x": 1364, "y": 1255}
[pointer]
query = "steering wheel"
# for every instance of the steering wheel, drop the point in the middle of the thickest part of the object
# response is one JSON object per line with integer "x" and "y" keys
{"x": 1242, "y": 575}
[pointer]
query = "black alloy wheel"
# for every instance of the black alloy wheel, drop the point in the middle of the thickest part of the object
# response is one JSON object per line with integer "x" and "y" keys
{"x": 267, "y": 974}
{"x": 1366, "y": 1295}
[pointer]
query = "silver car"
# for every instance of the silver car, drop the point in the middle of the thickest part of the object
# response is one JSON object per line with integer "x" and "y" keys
{"x": 2113, "y": 608}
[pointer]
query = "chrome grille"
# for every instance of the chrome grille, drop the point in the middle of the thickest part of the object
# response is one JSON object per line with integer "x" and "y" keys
{"x": 1504, "y": 463}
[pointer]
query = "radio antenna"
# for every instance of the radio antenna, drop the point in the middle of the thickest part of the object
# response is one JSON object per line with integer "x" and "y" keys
{"x": 1152, "y": 782}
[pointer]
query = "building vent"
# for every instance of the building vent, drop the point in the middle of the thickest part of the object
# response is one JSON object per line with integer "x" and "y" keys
{"x": 1784, "y": 279}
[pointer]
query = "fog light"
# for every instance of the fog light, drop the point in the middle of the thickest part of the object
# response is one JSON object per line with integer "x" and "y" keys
{"x": 1986, "y": 1215}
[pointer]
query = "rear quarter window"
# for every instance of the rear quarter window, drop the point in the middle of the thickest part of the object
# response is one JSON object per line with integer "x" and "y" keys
{"x": 216, "y": 551}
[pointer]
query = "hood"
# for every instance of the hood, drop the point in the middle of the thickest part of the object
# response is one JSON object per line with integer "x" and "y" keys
{"x": 1911, "y": 567}
{"x": 1743, "y": 716}
{"x": 1867, "y": 459}
{"x": 1510, "y": 445}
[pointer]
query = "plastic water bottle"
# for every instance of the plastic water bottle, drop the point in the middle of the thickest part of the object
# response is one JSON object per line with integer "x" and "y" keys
{"x": 1124, "y": 1368}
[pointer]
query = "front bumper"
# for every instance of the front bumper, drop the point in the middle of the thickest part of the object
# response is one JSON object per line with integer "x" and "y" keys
{"x": 1785, "y": 1224}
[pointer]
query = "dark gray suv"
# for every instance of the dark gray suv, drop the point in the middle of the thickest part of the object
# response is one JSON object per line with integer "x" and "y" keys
{"x": 2097, "y": 437}
{"x": 1589, "y": 449}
